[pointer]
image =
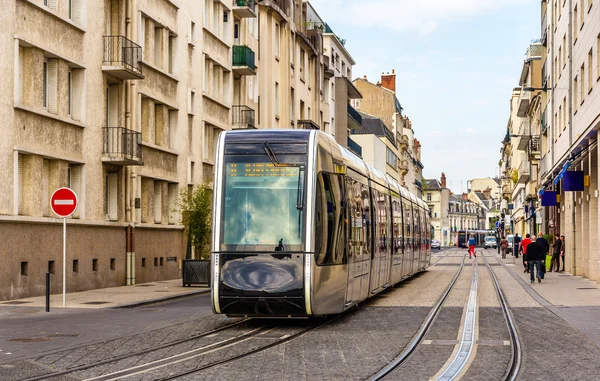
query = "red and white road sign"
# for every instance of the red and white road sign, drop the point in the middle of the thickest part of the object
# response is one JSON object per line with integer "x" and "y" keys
{"x": 63, "y": 202}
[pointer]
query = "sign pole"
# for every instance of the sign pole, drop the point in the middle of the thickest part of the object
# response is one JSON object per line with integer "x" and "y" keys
{"x": 64, "y": 261}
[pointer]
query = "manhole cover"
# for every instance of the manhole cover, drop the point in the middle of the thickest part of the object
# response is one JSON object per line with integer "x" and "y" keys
{"x": 31, "y": 340}
{"x": 64, "y": 335}
{"x": 16, "y": 302}
{"x": 144, "y": 285}
{"x": 95, "y": 303}
{"x": 586, "y": 288}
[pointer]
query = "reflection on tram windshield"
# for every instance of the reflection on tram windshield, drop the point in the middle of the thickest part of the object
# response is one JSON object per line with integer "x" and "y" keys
{"x": 261, "y": 206}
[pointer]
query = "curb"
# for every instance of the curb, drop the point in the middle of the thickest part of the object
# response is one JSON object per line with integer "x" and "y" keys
{"x": 161, "y": 299}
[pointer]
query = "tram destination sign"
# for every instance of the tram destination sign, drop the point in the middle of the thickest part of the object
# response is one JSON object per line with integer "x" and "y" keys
{"x": 260, "y": 170}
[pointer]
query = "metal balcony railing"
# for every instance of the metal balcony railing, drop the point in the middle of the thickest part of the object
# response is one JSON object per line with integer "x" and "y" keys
{"x": 119, "y": 52}
{"x": 524, "y": 135}
{"x": 524, "y": 172}
{"x": 354, "y": 115}
{"x": 243, "y": 57}
{"x": 242, "y": 117}
{"x": 534, "y": 145}
{"x": 122, "y": 146}
{"x": 354, "y": 147}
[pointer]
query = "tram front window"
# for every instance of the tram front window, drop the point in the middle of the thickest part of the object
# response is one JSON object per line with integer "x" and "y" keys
{"x": 263, "y": 205}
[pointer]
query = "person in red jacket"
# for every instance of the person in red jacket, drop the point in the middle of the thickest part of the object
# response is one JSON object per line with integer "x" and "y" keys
{"x": 524, "y": 243}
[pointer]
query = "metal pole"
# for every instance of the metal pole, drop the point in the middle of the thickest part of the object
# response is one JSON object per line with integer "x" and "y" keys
{"x": 47, "y": 292}
{"x": 64, "y": 261}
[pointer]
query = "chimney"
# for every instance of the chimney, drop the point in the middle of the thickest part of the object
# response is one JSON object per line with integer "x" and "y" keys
{"x": 487, "y": 193}
{"x": 443, "y": 180}
{"x": 365, "y": 77}
{"x": 389, "y": 81}
{"x": 465, "y": 197}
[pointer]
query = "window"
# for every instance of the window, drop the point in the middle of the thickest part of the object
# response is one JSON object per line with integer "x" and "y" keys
{"x": 343, "y": 68}
{"x": 161, "y": 261}
{"x": 193, "y": 32}
{"x": 590, "y": 83}
{"x": 326, "y": 90}
{"x": 95, "y": 264}
{"x": 157, "y": 201}
{"x": 113, "y": 262}
{"x": 192, "y": 103}
{"x": 70, "y": 92}
{"x": 330, "y": 214}
{"x": 391, "y": 158}
{"x": 575, "y": 27}
{"x": 155, "y": 261}
{"x": 276, "y": 99}
{"x": 292, "y": 101}
{"x": 74, "y": 176}
{"x": 582, "y": 87}
{"x": 75, "y": 265}
{"x": 207, "y": 4}
{"x": 292, "y": 44}
{"x": 302, "y": 64}
{"x": 564, "y": 110}
{"x": 559, "y": 60}
{"x": 45, "y": 80}
{"x": 575, "y": 86}
{"x": 206, "y": 74}
{"x": 172, "y": 49}
{"x": 564, "y": 52}
{"x": 582, "y": 13}
{"x": 277, "y": 39}
{"x": 428, "y": 196}
{"x": 111, "y": 191}
{"x": 143, "y": 262}
{"x": 24, "y": 268}
{"x": 157, "y": 46}
{"x": 172, "y": 193}
{"x": 51, "y": 267}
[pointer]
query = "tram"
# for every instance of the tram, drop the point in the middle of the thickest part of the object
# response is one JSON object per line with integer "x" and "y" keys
{"x": 479, "y": 235}
{"x": 303, "y": 227}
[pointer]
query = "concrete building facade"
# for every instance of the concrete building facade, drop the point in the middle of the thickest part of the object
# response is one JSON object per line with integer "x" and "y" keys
{"x": 437, "y": 197}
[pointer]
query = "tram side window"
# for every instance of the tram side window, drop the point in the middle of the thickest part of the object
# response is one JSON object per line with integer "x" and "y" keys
{"x": 397, "y": 226}
{"x": 409, "y": 225}
{"x": 366, "y": 220}
{"x": 329, "y": 234}
{"x": 354, "y": 202}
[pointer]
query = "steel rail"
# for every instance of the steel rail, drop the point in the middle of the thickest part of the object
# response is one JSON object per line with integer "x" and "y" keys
{"x": 134, "y": 354}
{"x": 516, "y": 357}
{"x": 420, "y": 335}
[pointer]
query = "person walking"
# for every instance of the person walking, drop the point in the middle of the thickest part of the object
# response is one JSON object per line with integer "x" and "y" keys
{"x": 523, "y": 248}
{"x": 535, "y": 253}
{"x": 556, "y": 247}
{"x": 472, "y": 247}
{"x": 562, "y": 251}
{"x": 546, "y": 246}
{"x": 503, "y": 246}
{"x": 516, "y": 245}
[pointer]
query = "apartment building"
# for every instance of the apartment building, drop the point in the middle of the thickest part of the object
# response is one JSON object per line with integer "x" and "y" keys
{"x": 464, "y": 215}
{"x": 122, "y": 102}
{"x": 571, "y": 35}
{"x": 378, "y": 145}
{"x": 379, "y": 100}
{"x": 437, "y": 197}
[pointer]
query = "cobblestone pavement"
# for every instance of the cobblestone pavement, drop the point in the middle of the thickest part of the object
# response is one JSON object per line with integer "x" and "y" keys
{"x": 351, "y": 347}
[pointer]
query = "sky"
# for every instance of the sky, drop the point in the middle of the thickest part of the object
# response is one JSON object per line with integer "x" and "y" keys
{"x": 456, "y": 62}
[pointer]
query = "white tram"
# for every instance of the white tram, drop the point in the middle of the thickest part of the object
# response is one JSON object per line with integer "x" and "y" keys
{"x": 303, "y": 227}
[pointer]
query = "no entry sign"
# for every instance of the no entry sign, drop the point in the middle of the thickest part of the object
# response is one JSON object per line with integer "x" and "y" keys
{"x": 63, "y": 202}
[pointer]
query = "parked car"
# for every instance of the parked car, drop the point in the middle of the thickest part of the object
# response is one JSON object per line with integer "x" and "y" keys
{"x": 435, "y": 244}
{"x": 509, "y": 249}
{"x": 490, "y": 243}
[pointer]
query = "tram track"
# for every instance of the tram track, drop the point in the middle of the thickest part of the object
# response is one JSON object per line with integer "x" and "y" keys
{"x": 459, "y": 360}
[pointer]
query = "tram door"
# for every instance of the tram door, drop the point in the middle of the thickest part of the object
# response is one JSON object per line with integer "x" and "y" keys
{"x": 408, "y": 238}
{"x": 358, "y": 241}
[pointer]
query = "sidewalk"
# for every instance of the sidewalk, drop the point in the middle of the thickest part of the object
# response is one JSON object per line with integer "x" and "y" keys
{"x": 114, "y": 297}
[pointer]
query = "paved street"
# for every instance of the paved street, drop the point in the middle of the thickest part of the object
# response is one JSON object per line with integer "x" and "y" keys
{"x": 353, "y": 346}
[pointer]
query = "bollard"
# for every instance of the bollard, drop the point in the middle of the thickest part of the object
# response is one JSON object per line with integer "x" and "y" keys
{"x": 47, "y": 292}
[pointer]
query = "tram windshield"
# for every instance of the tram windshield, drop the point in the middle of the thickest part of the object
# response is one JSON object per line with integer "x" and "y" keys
{"x": 263, "y": 205}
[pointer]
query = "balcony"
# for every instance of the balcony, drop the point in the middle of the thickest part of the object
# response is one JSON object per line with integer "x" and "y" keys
{"x": 122, "y": 58}
{"x": 506, "y": 188}
{"x": 354, "y": 147}
{"x": 524, "y": 100}
{"x": 121, "y": 146}
{"x": 534, "y": 147}
{"x": 354, "y": 118}
{"x": 403, "y": 166}
{"x": 524, "y": 172}
{"x": 307, "y": 124}
{"x": 403, "y": 142}
{"x": 243, "y": 60}
{"x": 244, "y": 8}
{"x": 242, "y": 118}
{"x": 524, "y": 135}
{"x": 328, "y": 72}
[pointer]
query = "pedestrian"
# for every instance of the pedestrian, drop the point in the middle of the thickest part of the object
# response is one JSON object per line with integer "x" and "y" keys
{"x": 534, "y": 256}
{"x": 503, "y": 246}
{"x": 556, "y": 248}
{"x": 498, "y": 242}
{"x": 516, "y": 245}
{"x": 562, "y": 251}
{"x": 523, "y": 248}
{"x": 546, "y": 247}
{"x": 472, "y": 246}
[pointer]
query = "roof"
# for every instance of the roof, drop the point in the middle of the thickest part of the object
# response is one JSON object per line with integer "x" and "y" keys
{"x": 433, "y": 184}
{"x": 372, "y": 125}
{"x": 397, "y": 104}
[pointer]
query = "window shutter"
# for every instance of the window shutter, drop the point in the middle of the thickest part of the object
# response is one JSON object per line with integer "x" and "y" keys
{"x": 19, "y": 88}
{"x": 76, "y": 187}
{"x": 113, "y": 181}
{"x": 45, "y": 175}
{"x": 157, "y": 202}
{"x": 78, "y": 99}
{"x": 52, "y": 85}
{"x": 52, "y": 4}
{"x": 20, "y": 185}
{"x": 77, "y": 11}
{"x": 172, "y": 203}
{"x": 113, "y": 106}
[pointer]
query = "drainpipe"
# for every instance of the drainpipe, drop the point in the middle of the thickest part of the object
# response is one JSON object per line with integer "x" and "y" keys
{"x": 570, "y": 96}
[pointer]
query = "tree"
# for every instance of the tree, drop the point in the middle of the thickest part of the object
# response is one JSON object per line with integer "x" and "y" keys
{"x": 196, "y": 217}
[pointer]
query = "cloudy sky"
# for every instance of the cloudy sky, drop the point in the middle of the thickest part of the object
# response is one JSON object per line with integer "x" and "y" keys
{"x": 456, "y": 62}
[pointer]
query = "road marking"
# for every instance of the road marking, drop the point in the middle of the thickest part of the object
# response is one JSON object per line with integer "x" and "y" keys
{"x": 64, "y": 202}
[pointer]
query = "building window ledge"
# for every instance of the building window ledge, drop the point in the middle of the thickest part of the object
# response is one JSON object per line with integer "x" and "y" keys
{"x": 55, "y": 14}
{"x": 159, "y": 148}
{"x": 159, "y": 70}
{"x": 217, "y": 37}
{"x": 207, "y": 95}
{"x": 44, "y": 113}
